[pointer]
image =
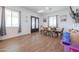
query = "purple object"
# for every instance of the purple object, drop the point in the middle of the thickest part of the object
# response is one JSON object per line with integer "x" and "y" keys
{"x": 66, "y": 38}
{"x": 74, "y": 47}
{"x": 70, "y": 48}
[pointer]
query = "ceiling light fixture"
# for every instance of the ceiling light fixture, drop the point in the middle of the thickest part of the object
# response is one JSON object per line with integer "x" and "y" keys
{"x": 40, "y": 11}
{"x": 45, "y": 9}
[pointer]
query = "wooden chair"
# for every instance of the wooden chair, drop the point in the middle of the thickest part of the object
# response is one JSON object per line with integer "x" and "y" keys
{"x": 49, "y": 31}
{"x": 45, "y": 31}
{"x": 57, "y": 32}
{"x": 52, "y": 31}
{"x": 41, "y": 30}
{"x": 61, "y": 34}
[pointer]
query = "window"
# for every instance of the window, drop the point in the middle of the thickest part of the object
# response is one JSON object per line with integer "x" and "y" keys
{"x": 8, "y": 17}
{"x": 52, "y": 21}
{"x": 11, "y": 18}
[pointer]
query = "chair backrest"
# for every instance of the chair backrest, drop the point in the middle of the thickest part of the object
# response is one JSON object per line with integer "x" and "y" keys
{"x": 61, "y": 35}
{"x": 45, "y": 28}
{"x": 62, "y": 30}
{"x": 53, "y": 28}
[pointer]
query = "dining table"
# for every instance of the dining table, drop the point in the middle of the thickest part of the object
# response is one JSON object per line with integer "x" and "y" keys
{"x": 54, "y": 31}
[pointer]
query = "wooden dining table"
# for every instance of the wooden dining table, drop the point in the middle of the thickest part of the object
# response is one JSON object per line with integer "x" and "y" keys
{"x": 53, "y": 32}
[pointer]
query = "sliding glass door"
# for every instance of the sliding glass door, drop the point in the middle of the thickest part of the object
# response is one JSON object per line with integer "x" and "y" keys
{"x": 34, "y": 24}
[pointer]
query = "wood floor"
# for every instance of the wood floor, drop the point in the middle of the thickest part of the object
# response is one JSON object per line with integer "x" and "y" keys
{"x": 31, "y": 43}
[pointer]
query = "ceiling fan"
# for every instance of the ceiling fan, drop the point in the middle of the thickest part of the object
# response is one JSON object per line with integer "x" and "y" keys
{"x": 74, "y": 15}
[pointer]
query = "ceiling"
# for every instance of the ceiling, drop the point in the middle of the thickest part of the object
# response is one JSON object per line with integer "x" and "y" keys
{"x": 45, "y": 9}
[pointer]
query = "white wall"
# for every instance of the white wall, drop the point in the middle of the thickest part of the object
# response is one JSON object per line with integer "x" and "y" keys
{"x": 0, "y": 16}
{"x": 69, "y": 24}
{"x": 25, "y": 22}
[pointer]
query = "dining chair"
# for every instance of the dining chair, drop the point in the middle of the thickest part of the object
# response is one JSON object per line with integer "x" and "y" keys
{"x": 45, "y": 30}
{"x": 41, "y": 29}
{"x": 61, "y": 33}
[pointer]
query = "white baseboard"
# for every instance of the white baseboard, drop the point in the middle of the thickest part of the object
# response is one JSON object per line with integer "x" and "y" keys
{"x": 12, "y": 36}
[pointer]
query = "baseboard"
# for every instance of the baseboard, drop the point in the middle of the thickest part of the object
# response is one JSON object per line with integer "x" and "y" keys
{"x": 11, "y": 37}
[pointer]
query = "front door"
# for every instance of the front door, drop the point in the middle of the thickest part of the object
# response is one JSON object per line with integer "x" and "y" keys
{"x": 34, "y": 24}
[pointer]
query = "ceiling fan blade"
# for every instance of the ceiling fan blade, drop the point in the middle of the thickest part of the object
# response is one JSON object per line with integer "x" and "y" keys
{"x": 72, "y": 10}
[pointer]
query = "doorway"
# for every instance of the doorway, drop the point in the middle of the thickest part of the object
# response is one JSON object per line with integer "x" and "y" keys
{"x": 34, "y": 24}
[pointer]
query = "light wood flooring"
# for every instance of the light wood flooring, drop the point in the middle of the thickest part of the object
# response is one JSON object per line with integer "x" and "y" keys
{"x": 34, "y": 42}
